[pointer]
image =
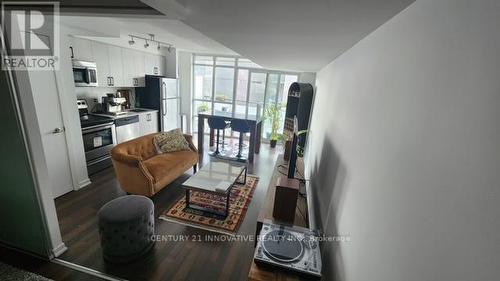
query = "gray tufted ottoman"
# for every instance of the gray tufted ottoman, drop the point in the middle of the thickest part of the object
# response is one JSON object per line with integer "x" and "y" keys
{"x": 126, "y": 225}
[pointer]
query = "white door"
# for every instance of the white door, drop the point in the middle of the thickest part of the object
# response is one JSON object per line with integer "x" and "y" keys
{"x": 48, "y": 111}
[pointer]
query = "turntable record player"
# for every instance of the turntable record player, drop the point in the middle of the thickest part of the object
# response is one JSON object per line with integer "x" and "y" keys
{"x": 293, "y": 248}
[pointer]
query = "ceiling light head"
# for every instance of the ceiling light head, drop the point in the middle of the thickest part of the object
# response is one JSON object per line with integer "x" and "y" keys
{"x": 147, "y": 44}
{"x": 159, "y": 47}
{"x": 169, "y": 48}
{"x": 131, "y": 41}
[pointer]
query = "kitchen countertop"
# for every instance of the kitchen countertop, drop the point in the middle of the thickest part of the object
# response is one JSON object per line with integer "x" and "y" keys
{"x": 146, "y": 110}
{"x": 127, "y": 114}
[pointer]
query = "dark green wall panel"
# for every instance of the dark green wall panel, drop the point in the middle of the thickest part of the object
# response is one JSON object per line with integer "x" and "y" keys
{"x": 21, "y": 223}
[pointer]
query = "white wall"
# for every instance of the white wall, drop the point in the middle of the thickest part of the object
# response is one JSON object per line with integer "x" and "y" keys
{"x": 307, "y": 77}
{"x": 404, "y": 147}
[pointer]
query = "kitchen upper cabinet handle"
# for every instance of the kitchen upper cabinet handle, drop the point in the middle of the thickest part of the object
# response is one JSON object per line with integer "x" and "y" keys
{"x": 109, "y": 81}
{"x": 155, "y": 70}
{"x": 112, "y": 79}
{"x": 148, "y": 117}
{"x": 72, "y": 53}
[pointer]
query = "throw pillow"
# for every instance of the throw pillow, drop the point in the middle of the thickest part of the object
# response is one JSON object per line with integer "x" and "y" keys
{"x": 171, "y": 141}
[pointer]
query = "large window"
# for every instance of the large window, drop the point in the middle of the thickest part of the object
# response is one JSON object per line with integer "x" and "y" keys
{"x": 203, "y": 82}
{"x": 237, "y": 87}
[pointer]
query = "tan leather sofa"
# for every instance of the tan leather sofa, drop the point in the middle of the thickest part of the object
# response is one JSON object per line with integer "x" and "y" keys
{"x": 141, "y": 170}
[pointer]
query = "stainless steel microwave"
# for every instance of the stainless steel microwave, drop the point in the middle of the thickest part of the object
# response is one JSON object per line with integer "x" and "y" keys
{"x": 85, "y": 73}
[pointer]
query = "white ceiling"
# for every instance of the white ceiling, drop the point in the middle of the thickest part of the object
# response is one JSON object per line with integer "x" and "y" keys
{"x": 300, "y": 35}
{"x": 118, "y": 27}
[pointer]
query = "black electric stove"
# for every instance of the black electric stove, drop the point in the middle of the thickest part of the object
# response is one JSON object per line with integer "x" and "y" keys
{"x": 89, "y": 120}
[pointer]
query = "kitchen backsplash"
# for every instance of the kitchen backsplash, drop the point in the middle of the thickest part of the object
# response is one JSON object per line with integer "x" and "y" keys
{"x": 91, "y": 93}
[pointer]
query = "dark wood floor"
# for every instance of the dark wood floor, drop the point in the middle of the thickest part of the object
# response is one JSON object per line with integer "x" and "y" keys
{"x": 42, "y": 267}
{"x": 187, "y": 260}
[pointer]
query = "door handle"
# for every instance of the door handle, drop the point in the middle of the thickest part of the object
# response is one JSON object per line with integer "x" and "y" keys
{"x": 72, "y": 53}
{"x": 58, "y": 130}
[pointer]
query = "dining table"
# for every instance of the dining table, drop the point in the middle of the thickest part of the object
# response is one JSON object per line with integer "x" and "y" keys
{"x": 254, "y": 122}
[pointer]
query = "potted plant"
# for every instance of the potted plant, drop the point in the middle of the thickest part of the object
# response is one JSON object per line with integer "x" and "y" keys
{"x": 273, "y": 114}
{"x": 202, "y": 108}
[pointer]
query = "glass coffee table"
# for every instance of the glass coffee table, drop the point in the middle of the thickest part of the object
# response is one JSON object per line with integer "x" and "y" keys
{"x": 216, "y": 177}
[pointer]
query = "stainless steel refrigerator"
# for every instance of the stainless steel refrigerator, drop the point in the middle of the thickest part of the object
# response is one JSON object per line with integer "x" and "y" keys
{"x": 162, "y": 94}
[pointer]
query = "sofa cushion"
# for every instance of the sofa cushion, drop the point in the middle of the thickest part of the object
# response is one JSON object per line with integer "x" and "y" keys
{"x": 140, "y": 148}
{"x": 171, "y": 141}
{"x": 170, "y": 164}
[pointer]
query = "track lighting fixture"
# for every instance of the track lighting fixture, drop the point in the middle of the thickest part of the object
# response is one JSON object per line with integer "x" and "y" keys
{"x": 150, "y": 39}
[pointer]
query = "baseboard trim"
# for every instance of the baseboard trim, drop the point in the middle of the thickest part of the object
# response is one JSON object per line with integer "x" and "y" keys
{"x": 86, "y": 270}
{"x": 59, "y": 250}
{"x": 313, "y": 224}
{"x": 83, "y": 183}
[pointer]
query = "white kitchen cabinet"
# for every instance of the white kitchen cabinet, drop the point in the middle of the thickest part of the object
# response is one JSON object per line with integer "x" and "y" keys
{"x": 139, "y": 59}
{"x": 128, "y": 67}
{"x": 149, "y": 64}
{"x": 133, "y": 68}
{"x": 115, "y": 66}
{"x": 109, "y": 64}
{"x": 153, "y": 64}
{"x": 148, "y": 122}
{"x": 80, "y": 49}
{"x": 162, "y": 66}
{"x": 101, "y": 59}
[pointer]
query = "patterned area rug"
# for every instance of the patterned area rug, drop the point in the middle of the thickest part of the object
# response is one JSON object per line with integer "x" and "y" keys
{"x": 10, "y": 273}
{"x": 238, "y": 205}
